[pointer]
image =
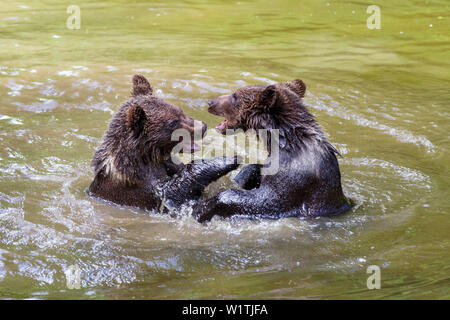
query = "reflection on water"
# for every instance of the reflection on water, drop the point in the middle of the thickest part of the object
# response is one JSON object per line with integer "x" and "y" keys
{"x": 382, "y": 96}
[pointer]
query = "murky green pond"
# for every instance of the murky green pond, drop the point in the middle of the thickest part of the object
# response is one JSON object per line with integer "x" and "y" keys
{"x": 382, "y": 96}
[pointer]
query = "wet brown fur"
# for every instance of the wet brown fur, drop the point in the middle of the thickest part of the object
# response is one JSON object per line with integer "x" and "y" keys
{"x": 132, "y": 165}
{"x": 308, "y": 182}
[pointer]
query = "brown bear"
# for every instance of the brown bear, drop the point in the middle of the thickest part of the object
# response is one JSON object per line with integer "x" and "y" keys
{"x": 132, "y": 165}
{"x": 308, "y": 180}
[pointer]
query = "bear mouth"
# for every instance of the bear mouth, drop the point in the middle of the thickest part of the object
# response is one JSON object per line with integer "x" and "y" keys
{"x": 222, "y": 126}
{"x": 226, "y": 125}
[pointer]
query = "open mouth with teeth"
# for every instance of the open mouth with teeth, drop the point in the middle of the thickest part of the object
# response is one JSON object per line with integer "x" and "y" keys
{"x": 224, "y": 125}
{"x": 221, "y": 127}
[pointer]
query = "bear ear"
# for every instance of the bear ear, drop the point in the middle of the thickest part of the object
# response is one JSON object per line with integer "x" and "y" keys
{"x": 297, "y": 86}
{"x": 269, "y": 97}
{"x": 141, "y": 86}
{"x": 136, "y": 118}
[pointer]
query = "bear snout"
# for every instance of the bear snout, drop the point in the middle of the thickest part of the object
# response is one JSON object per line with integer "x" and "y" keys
{"x": 212, "y": 106}
{"x": 212, "y": 102}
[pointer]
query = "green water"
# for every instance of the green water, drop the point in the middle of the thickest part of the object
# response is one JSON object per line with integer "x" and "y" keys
{"x": 381, "y": 95}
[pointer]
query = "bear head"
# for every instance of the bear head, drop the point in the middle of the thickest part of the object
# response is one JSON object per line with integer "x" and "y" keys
{"x": 254, "y": 106}
{"x": 277, "y": 106}
{"x": 140, "y": 135}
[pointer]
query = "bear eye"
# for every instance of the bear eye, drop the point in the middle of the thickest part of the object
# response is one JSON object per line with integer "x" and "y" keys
{"x": 234, "y": 97}
{"x": 174, "y": 123}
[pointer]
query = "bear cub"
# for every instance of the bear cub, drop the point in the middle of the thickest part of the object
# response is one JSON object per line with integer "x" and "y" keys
{"x": 308, "y": 180}
{"x": 132, "y": 165}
